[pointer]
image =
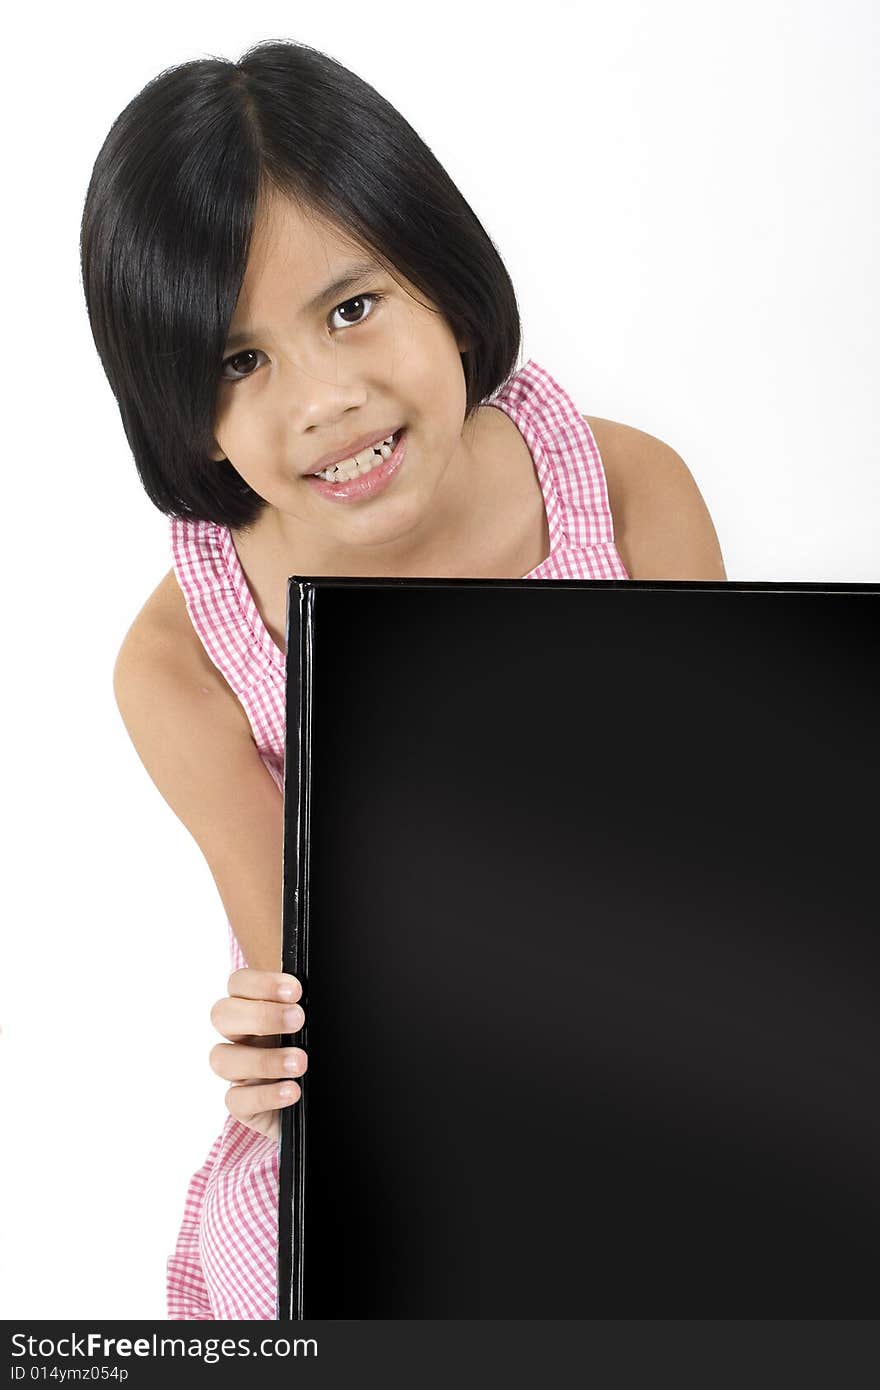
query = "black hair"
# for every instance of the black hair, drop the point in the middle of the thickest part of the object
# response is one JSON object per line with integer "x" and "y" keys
{"x": 167, "y": 225}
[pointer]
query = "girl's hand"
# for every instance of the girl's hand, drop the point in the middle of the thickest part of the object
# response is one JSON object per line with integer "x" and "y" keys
{"x": 260, "y": 1005}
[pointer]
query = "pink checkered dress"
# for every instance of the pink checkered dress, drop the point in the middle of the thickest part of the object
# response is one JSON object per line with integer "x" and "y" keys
{"x": 224, "y": 1265}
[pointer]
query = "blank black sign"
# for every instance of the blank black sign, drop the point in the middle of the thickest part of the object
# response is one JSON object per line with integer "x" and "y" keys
{"x": 580, "y": 880}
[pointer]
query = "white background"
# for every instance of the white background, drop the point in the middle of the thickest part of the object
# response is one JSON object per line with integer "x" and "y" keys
{"x": 685, "y": 195}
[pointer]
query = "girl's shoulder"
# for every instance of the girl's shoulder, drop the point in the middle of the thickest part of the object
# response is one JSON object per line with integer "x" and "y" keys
{"x": 162, "y": 637}
{"x": 662, "y": 526}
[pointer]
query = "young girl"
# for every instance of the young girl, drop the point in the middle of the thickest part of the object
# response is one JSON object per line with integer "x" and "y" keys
{"x": 313, "y": 345}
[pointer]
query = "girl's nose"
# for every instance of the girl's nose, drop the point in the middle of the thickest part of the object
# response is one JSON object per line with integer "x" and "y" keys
{"x": 319, "y": 397}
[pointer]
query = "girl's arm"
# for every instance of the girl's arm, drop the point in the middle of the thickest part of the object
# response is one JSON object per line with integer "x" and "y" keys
{"x": 662, "y": 527}
{"x": 196, "y": 745}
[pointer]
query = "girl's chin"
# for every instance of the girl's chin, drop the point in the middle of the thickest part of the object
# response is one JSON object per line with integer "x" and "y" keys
{"x": 364, "y": 532}
{"x": 380, "y": 527}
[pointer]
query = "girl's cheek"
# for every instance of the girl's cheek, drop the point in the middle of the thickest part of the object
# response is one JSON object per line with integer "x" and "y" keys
{"x": 230, "y": 425}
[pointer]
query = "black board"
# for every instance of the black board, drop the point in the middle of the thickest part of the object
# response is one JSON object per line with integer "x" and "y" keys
{"x": 580, "y": 879}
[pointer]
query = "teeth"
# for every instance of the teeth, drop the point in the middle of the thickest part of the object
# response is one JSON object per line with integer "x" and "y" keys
{"x": 362, "y": 463}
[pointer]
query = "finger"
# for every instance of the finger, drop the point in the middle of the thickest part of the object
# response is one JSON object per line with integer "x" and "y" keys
{"x": 245, "y": 1103}
{"x": 264, "y": 984}
{"x": 238, "y": 1063}
{"x": 238, "y": 1018}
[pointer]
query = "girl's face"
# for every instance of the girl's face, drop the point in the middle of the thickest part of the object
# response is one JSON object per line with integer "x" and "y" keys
{"x": 313, "y": 366}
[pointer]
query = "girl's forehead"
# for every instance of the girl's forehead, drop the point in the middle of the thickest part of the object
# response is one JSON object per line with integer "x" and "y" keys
{"x": 298, "y": 260}
{"x": 299, "y": 248}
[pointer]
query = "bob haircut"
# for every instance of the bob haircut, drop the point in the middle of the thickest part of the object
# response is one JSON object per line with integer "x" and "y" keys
{"x": 166, "y": 230}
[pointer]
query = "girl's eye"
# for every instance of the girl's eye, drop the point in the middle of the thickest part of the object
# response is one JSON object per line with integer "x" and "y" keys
{"x": 239, "y": 363}
{"x": 357, "y": 305}
{"x": 242, "y": 364}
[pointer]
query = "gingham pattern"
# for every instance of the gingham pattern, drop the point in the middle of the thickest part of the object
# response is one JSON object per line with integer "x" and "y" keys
{"x": 224, "y": 1264}
{"x": 571, "y": 475}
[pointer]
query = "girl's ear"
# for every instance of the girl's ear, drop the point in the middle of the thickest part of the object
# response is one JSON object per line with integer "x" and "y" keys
{"x": 463, "y": 344}
{"x": 218, "y": 455}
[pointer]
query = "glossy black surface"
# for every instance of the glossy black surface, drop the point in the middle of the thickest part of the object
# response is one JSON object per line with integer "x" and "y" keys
{"x": 586, "y": 911}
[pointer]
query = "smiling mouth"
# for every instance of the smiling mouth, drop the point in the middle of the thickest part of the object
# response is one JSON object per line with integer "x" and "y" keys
{"x": 361, "y": 464}
{"x": 369, "y": 480}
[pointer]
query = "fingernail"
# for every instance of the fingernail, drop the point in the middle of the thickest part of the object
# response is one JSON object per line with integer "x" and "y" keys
{"x": 292, "y": 1018}
{"x": 292, "y": 1063}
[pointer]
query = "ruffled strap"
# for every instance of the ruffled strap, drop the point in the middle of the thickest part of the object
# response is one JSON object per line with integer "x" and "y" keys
{"x": 570, "y": 472}
{"x": 221, "y": 606}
